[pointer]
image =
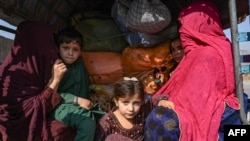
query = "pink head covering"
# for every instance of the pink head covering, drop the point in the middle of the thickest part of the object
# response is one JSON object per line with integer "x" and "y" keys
{"x": 206, "y": 30}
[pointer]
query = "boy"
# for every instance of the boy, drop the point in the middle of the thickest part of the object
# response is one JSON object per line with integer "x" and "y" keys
{"x": 74, "y": 110}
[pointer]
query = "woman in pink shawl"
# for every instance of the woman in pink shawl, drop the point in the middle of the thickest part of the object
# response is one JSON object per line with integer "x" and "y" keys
{"x": 202, "y": 86}
{"x": 28, "y": 84}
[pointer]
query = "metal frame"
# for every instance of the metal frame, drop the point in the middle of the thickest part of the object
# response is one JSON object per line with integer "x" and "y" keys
{"x": 237, "y": 63}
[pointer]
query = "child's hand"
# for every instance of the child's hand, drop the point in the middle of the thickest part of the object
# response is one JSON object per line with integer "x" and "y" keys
{"x": 166, "y": 104}
{"x": 58, "y": 71}
{"x": 84, "y": 103}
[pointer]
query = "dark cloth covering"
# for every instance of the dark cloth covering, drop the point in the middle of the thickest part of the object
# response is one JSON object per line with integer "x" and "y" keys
{"x": 25, "y": 100}
{"x": 60, "y": 131}
{"x": 162, "y": 124}
{"x": 117, "y": 137}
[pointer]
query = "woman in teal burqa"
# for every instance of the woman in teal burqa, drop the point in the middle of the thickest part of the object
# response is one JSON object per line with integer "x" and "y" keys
{"x": 76, "y": 110}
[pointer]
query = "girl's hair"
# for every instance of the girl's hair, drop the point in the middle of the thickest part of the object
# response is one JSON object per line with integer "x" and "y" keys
{"x": 128, "y": 87}
{"x": 68, "y": 35}
{"x": 171, "y": 41}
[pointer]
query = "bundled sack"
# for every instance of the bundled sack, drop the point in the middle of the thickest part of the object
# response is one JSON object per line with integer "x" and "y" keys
{"x": 135, "y": 60}
{"x": 101, "y": 35}
{"x": 140, "y": 39}
{"x": 151, "y": 65}
{"x": 150, "y": 84}
{"x": 102, "y": 94}
{"x": 148, "y": 16}
{"x": 145, "y": 16}
{"x": 104, "y": 68}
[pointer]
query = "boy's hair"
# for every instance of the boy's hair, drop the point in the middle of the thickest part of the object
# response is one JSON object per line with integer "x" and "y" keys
{"x": 128, "y": 87}
{"x": 68, "y": 35}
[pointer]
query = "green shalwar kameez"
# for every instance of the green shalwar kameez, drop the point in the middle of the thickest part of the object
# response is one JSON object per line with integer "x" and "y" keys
{"x": 75, "y": 83}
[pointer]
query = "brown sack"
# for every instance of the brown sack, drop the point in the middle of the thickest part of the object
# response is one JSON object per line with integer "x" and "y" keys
{"x": 143, "y": 63}
{"x": 135, "y": 60}
{"x": 103, "y": 67}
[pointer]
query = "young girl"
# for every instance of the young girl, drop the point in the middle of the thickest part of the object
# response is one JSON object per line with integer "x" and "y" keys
{"x": 125, "y": 120}
{"x": 177, "y": 52}
{"x": 176, "y": 49}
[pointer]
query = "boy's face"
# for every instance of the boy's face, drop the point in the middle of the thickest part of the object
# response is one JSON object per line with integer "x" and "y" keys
{"x": 70, "y": 52}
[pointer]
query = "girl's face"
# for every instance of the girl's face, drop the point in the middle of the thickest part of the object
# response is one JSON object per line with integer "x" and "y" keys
{"x": 129, "y": 107}
{"x": 177, "y": 50}
{"x": 70, "y": 52}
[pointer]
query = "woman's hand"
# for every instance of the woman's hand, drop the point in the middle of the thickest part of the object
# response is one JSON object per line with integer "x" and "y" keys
{"x": 166, "y": 104}
{"x": 84, "y": 103}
